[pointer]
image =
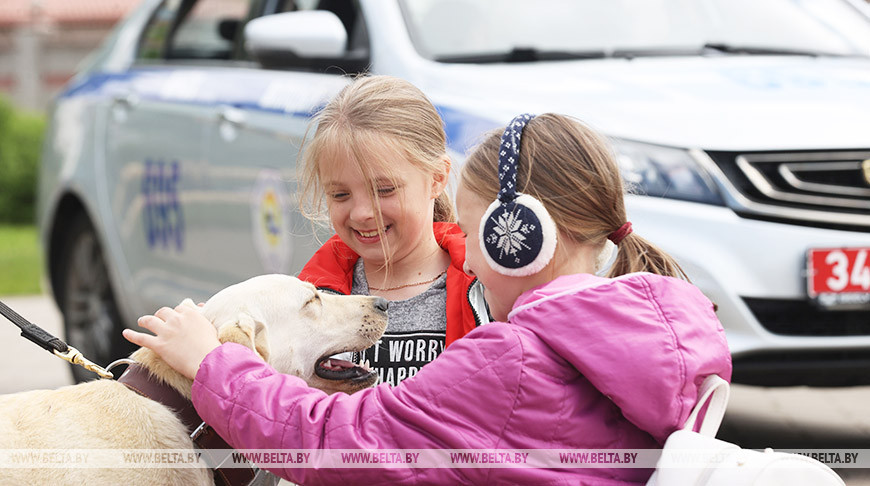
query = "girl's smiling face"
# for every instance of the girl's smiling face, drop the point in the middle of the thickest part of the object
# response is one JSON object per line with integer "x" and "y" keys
{"x": 405, "y": 195}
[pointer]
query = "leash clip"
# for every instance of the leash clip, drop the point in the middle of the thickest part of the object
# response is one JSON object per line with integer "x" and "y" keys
{"x": 75, "y": 357}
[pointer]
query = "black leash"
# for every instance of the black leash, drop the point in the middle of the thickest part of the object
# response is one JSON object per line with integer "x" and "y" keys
{"x": 53, "y": 345}
{"x": 33, "y": 332}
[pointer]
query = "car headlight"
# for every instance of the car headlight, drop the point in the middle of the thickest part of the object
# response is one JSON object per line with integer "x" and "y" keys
{"x": 654, "y": 170}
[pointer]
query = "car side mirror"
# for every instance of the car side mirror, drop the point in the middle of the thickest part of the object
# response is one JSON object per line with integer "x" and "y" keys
{"x": 290, "y": 38}
{"x": 228, "y": 28}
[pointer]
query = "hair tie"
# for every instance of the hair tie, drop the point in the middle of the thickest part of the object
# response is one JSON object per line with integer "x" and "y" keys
{"x": 620, "y": 234}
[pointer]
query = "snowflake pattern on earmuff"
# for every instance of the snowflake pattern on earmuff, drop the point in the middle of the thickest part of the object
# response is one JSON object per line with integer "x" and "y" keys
{"x": 509, "y": 235}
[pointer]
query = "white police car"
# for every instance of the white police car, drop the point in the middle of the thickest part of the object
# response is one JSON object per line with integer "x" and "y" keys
{"x": 744, "y": 127}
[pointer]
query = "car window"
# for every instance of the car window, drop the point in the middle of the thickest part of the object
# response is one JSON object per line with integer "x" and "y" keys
{"x": 457, "y": 28}
{"x": 153, "y": 41}
{"x": 194, "y": 29}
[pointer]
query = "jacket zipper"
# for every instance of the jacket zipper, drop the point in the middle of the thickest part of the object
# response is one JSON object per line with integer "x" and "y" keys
{"x": 468, "y": 299}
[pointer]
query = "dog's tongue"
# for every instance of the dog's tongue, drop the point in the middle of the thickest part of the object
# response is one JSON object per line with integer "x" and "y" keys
{"x": 337, "y": 364}
{"x": 334, "y": 368}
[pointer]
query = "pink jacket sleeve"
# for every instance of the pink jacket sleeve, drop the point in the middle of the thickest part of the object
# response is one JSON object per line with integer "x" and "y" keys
{"x": 252, "y": 406}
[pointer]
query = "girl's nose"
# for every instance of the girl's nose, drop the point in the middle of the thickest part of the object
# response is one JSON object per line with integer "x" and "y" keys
{"x": 466, "y": 269}
{"x": 362, "y": 209}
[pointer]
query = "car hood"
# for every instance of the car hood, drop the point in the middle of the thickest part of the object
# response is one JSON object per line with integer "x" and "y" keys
{"x": 713, "y": 103}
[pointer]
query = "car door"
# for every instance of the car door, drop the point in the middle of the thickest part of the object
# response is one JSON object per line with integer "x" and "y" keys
{"x": 253, "y": 149}
{"x": 254, "y": 146}
{"x": 156, "y": 163}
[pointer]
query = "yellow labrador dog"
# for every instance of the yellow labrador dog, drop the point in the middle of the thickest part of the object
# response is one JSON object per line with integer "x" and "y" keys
{"x": 289, "y": 323}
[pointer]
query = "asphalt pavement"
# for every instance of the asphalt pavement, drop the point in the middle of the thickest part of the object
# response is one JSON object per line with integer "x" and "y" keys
{"x": 757, "y": 417}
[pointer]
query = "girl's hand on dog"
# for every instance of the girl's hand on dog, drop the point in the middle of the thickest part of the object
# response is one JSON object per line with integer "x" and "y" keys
{"x": 183, "y": 337}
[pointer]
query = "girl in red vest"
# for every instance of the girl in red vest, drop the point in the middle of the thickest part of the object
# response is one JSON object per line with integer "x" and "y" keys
{"x": 376, "y": 169}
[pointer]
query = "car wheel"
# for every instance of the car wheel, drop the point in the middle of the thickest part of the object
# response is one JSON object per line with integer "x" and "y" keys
{"x": 91, "y": 320}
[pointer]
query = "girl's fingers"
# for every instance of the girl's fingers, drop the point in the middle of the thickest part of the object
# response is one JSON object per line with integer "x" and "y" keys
{"x": 185, "y": 309}
{"x": 165, "y": 313}
{"x": 138, "y": 338}
{"x": 149, "y": 322}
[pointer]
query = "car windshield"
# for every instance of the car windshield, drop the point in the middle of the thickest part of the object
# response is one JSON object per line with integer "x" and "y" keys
{"x": 522, "y": 30}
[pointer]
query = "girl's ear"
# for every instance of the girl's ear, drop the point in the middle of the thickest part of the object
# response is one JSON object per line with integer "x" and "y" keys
{"x": 441, "y": 176}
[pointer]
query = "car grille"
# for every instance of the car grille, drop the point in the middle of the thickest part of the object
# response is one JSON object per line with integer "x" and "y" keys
{"x": 802, "y": 187}
{"x": 802, "y": 318}
{"x": 829, "y": 367}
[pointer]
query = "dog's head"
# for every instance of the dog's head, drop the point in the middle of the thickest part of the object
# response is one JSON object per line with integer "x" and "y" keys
{"x": 297, "y": 328}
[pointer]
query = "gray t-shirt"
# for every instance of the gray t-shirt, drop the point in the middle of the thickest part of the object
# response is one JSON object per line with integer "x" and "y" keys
{"x": 415, "y": 330}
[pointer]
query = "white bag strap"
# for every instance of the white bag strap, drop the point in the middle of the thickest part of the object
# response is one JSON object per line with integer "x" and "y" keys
{"x": 717, "y": 390}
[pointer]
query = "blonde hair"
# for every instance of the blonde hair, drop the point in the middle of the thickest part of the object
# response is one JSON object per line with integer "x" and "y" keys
{"x": 370, "y": 113}
{"x": 571, "y": 170}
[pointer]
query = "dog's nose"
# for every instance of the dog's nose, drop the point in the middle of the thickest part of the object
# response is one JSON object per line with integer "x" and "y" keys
{"x": 382, "y": 304}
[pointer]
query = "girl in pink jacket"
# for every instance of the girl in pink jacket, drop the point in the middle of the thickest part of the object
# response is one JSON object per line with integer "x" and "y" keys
{"x": 577, "y": 362}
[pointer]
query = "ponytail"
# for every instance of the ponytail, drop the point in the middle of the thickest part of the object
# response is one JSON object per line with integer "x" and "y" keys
{"x": 639, "y": 255}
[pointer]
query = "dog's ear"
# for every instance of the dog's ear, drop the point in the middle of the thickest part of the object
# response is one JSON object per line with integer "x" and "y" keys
{"x": 248, "y": 332}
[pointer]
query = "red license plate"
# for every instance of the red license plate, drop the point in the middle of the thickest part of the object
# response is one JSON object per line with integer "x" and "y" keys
{"x": 839, "y": 271}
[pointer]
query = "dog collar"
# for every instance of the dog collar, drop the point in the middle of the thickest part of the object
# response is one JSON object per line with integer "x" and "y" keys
{"x": 205, "y": 440}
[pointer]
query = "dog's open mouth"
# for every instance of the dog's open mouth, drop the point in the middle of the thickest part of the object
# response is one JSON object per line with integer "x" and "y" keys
{"x": 333, "y": 368}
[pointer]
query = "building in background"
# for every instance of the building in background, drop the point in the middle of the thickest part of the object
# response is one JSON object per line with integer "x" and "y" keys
{"x": 42, "y": 42}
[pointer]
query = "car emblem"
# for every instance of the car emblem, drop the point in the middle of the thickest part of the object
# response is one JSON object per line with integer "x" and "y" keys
{"x": 866, "y": 168}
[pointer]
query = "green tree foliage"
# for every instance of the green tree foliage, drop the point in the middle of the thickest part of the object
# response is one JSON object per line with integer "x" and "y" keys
{"x": 20, "y": 144}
